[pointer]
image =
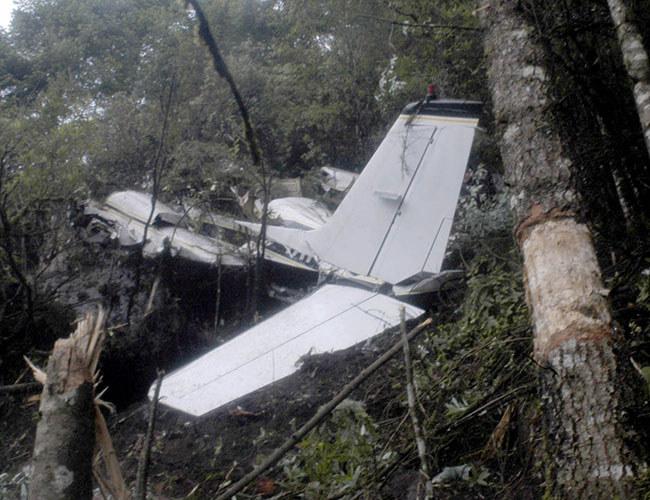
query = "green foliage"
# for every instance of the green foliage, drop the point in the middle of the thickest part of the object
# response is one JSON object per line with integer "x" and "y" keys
{"x": 431, "y": 43}
{"x": 643, "y": 485}
{"x": 494, "y": 303}
{"x": 484, "y": 340}
{"x": 310, "y": 74}
{"x": 338, "y": 459}
{"x": 480, "y": 360}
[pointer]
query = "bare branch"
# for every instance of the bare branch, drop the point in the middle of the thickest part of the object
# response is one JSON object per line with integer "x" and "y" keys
{"x": 143, "y": 466}
{"x": 256, "y": 156}
{"x": 424, "y": 477}
{"x": 422, "y": 25}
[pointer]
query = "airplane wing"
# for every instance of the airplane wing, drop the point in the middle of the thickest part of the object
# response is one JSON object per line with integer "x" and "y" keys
{"x": 393, "y": 226}
{"x": 128, "y": 211}
{"x": 332, "y": 318}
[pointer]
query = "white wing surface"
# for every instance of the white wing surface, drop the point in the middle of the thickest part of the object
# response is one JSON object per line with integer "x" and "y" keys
{"x": 129, "y": 212}
{"x": 332, "y": 318}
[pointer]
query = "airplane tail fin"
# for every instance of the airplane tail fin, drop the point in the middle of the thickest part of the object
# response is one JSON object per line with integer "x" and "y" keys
{"x": 395, "y": 221}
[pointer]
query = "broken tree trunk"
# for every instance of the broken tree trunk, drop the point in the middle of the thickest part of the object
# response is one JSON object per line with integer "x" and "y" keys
{"x": 587, "y": 456}
{"x": 636, "y": 61}
{"x": 65, "y": 435}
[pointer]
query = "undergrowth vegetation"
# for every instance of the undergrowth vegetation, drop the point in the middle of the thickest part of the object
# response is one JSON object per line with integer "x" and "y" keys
{"x": 477, "y": 377}
{"x": 475, "y": 381}
{"x": 339, "y": 459}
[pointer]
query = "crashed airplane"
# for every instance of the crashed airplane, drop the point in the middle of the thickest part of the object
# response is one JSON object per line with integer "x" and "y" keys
{"x": 387, "y": 239}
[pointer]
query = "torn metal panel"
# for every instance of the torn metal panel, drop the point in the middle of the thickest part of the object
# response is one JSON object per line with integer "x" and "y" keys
{"x": 337, "y": 178}
{"x": 136, "y": 205}
{"x": 332, "y": 318}
{"x": 127, "y": 213}
{"x": 427, "y": 283}
{"x": 299, "y": 213}
{"x": 191, "y": 246}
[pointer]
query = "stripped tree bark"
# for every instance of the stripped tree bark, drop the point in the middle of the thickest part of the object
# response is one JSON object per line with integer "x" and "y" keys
{"x": 636, "y": 61}
{"x": 573, "y": 338}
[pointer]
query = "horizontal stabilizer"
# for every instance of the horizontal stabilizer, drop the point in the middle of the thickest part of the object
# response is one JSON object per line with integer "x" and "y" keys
{"x": 332, "y": 318}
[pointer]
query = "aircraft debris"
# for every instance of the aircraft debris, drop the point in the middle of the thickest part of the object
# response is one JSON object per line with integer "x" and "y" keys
{"x": 389, "y": 235}
{"x": 124, "y": 215}
{"x": 399, "y": 239}
{"x": 337, "y": 178}
{"x": 332, "y": 318}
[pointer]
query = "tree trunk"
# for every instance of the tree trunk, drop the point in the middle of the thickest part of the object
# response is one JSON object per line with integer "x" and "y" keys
{"x": 65, "y": 435}
{"x": 636, "y": 61}
{"x": 573, "y": 338}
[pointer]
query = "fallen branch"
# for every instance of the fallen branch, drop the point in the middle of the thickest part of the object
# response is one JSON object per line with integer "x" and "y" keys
{"x": 453, "y": 27}
{"x": 504, "y": 398}
{"x": 24, "y": 387}
{"x": 320, "y": 415}
{"x": 143, "y": 466}
{"x": 424, "y": 476}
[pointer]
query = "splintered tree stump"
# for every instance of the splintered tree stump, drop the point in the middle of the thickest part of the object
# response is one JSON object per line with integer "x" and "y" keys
{"x": 65, "y": 435}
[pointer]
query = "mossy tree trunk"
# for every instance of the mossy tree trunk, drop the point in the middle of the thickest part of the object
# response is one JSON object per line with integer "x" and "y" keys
{"x": 587, "y": 457}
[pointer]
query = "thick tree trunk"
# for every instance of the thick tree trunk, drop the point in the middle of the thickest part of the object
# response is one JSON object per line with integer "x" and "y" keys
{"x": 636, "y": 61}
{"x": 573, "y": 339}
{"x": 65, "y": 435}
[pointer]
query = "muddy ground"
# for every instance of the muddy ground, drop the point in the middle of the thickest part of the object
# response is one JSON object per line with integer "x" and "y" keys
{"x": 198, "y": 454}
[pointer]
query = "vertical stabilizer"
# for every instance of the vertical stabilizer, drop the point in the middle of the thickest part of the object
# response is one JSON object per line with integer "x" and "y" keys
{"x": 395, "y": 221}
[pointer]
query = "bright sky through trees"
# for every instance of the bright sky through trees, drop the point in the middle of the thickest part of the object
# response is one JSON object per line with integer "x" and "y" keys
{"x": 6, "y": 6}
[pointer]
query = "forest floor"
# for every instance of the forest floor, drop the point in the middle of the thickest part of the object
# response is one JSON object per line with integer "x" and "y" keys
{"x": 196, "y": 458}
{"x": 200, "y": 456}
